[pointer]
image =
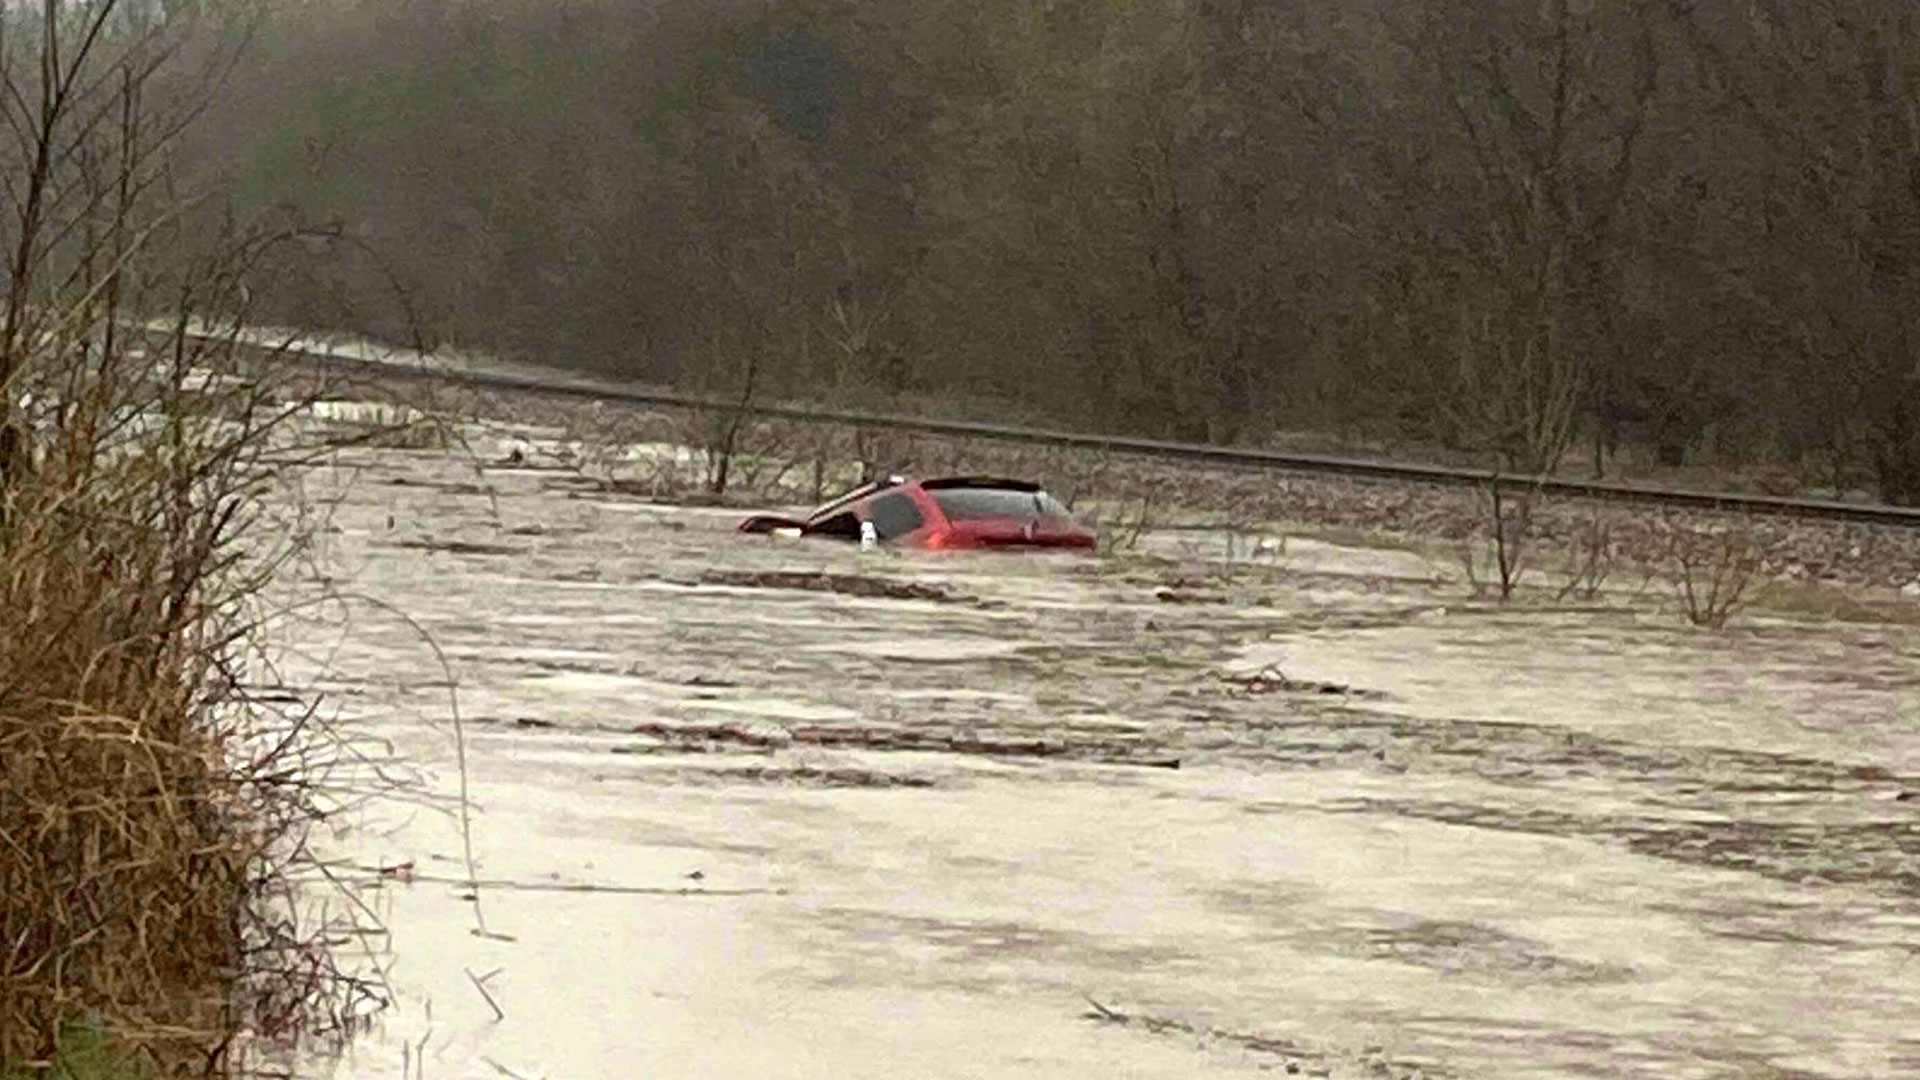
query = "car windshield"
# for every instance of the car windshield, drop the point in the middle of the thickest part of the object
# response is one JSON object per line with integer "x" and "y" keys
{"x": 962, "y": 504}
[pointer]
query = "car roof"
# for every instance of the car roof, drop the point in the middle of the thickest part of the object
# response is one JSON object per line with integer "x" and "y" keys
{"x": 996, "y": 483}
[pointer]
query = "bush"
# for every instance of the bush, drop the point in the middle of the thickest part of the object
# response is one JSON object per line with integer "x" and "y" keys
{"x": 1712, "y": 569}
{"x": 151, "y": 813}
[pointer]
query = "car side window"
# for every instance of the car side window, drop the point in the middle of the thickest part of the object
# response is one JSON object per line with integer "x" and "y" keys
{"x": 841, "y": 526}
{"x": 894, "y": 515}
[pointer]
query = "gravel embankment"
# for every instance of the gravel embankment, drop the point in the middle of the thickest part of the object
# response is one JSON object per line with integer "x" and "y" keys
{"x": 1851, "y": 554}
{"x": 1846, "y": 553}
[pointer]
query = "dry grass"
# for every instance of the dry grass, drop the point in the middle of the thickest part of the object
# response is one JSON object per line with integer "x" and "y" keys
{"x": 152, "y": 814}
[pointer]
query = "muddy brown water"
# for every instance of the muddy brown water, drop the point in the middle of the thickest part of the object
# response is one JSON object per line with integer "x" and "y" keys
{"x": 983, "y": 816}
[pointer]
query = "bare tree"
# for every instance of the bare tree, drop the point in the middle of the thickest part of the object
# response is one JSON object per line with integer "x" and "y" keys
{"x": 1501, "y": 227}
{"x": 1495, "y": 298}
{"x": 1827, "y": 91}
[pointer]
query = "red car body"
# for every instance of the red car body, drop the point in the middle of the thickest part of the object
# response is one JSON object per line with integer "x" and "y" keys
{"x": 957, "y": 512}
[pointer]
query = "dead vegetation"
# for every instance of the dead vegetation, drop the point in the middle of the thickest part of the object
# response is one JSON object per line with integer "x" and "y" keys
{"x": 1292, "y": 1058}
{"x": 1711, "y": 564}
{"x": 1122, "y": 522}
{"x": 1713, "y": 570}
{"x": 930, "y": 738}
{"x": 153, "y": 812}
{"x": 1496, "y": 559}
{"x": 387, "y": 425}
{"x": 697, "y": 456}
{"x": 844, "y": 584}
{"x": 1272, "y": 680}
{"x": 671, "y": 455}
{"x": 153, "y": 808}
{"x": 1588, "y": 559}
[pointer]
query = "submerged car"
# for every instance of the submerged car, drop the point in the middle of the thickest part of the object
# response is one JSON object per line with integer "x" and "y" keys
{"x": 955, "y": 512}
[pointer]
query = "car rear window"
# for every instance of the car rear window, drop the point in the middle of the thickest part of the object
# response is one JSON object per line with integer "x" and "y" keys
{"x": 894, "y": 515}
{"x": 962, "y": 504}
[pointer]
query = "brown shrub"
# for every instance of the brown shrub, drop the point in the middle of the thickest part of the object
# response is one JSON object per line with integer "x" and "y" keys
{"x": 151, "y": 812}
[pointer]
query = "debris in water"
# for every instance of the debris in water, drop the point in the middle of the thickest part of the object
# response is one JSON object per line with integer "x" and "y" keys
{"x": 846, "y": 584}
{"x": 462, "y": 547}
{"x": 1272, "y": 680}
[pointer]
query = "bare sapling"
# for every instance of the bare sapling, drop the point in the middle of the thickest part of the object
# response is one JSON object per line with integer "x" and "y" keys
{"x": 827, "y": 453}
{"x": 1590, "y": 560}
{"x": 1131, "y": 518}
{"x": 652, "y": 454}
{"x": 1508, "y": 529}
{"x": 728, "y": 424}
{"x": 1516, "y": 384}
{"x": 385, "y": 424}
{"x": 1713, "y": 569}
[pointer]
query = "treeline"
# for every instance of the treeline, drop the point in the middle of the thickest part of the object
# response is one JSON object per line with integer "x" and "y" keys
{"x": 1536, "y": 232}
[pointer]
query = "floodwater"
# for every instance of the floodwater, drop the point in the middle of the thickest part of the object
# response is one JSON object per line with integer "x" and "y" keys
{"x": 759, "y": 808}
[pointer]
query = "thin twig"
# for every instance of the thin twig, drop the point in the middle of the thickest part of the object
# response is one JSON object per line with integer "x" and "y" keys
{"x": 502, "y": 1069}
{"x": 561, "y": 887}
{"x": 460, "y": 754}
{"x": 480, "y": 984}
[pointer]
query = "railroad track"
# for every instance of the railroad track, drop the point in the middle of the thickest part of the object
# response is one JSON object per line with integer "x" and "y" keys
{"x": 1151, "y": 449}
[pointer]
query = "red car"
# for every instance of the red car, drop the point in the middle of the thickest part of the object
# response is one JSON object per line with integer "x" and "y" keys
{"x": 956, "y": 512}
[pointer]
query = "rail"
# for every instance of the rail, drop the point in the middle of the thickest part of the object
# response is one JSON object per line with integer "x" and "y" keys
{"x": 1155, "y": 449}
